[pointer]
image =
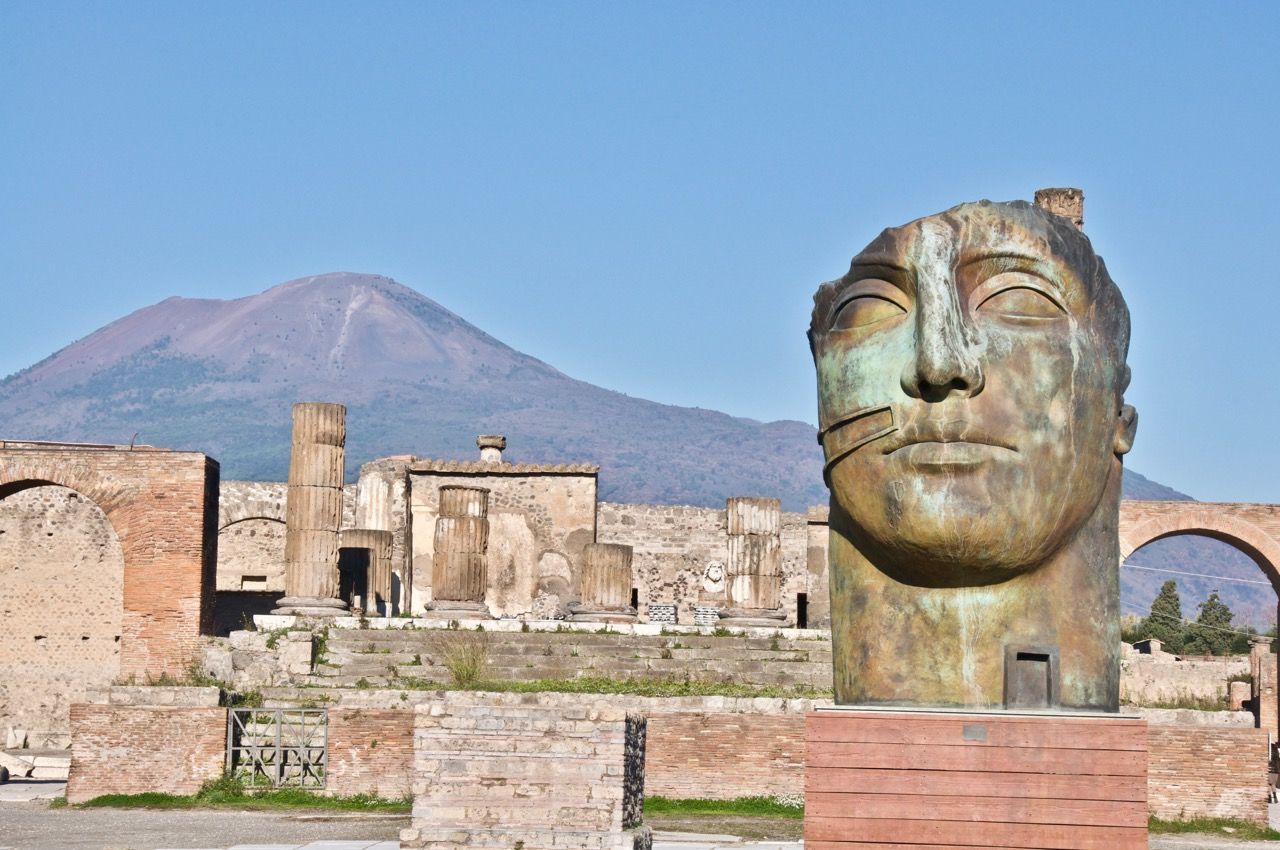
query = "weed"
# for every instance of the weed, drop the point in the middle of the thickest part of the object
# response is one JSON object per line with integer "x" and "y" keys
{"x": 464, "y": 654}
{"x": 524, "y": 626}
{"x": 245, "y": 699}
{"x": 320, "y": 646}
{"x": 666, "y": 653}
{"x": 363, "y": 684}
{"x": 273, "y": 637}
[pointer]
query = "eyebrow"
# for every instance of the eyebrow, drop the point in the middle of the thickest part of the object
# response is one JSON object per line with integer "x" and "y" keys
{"x": 882, "y": 261}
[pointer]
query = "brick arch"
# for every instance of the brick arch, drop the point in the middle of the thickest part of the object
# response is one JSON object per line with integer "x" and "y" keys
{"x": 162, "y": 506}
{"x": 239, "y": 511}
{"x": 1233, "y": 524}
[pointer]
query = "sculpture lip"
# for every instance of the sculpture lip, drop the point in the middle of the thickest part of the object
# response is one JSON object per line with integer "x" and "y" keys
{"x": 949, "y": 431}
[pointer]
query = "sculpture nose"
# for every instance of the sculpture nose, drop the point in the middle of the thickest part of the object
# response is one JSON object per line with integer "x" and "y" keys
{"x": 945, "y": 362}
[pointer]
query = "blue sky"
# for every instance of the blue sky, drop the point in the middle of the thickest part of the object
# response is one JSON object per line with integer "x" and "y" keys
{"x": 647, "y": 195}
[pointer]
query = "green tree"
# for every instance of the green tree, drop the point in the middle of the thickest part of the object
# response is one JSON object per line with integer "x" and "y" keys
{"x": 1210, "y": 634}
{"x": 1164, "y": 623}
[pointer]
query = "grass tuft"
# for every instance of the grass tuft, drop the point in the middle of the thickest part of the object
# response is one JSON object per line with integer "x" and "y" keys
{"x": 1232, "y": 827}
{"x": 743, "y": 806}
{"x": 228, "y": 792}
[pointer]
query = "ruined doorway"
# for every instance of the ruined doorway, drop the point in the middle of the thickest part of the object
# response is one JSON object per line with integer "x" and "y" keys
{"x": 250, "y": 572}
{"x": 353, "y": 577}
{"x": 61, "y": 600}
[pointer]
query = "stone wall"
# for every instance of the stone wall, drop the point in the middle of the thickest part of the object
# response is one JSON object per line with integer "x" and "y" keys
{"x": 680, "y": 554}
{"x": 1146, "y": 679}
{"x": 722, "y": 755}
{"x": 134, "y": 749}
{"x": 370, "y": 752}
{"x": 540, "y": 519}
{"x": 1197, "y": 771}
{"x": 61, "y": 600}
{"x": 534, "y": 771}
{"x": 251, "y": 533}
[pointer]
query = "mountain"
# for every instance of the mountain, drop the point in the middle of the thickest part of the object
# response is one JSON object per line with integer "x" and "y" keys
{"x": 220, "y": 377}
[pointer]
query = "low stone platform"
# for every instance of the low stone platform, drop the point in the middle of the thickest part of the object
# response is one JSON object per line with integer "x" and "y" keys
{"x": 876, "y": 779}
{"x": 533, "y": 771}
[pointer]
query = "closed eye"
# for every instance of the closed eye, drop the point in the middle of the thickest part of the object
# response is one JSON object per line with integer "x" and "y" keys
{"x": 868, "y": 302}
{"x": 1014, "y": 296}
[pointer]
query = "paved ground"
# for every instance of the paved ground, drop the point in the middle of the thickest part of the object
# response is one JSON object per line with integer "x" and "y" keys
{"x": 27, "y": 823}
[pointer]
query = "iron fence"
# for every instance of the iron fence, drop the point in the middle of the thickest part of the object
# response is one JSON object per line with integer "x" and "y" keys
{"x": 278, "y": 747}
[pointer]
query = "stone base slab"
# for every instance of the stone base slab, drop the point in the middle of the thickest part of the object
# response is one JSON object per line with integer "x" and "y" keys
{"x": 579, "y": 613}
{"x": 753, "y": 617}
{"x": 448, "y": 609}
{"x": 310, "y": 606}
{"x": 934, "y": 779}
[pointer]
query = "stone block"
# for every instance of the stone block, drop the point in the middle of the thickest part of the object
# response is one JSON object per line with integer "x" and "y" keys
{"x": 16, "y": 766}
{"x": 16, "y": 738}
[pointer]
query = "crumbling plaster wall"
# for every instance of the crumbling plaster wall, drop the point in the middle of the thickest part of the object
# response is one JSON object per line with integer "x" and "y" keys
{"x": 61, "y": 599}
{"x": 539, "y": 522}
{"x": 676, "y": 548}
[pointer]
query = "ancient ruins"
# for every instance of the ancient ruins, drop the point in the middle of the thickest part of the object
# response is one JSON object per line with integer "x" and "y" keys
{"x": 144, "y": 599}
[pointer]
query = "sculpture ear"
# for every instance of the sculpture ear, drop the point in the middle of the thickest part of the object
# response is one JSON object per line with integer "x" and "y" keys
{"x": 1126, "y": 428}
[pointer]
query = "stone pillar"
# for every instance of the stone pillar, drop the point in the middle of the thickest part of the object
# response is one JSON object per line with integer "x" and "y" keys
{"x": 604, "y": 585}
{"x": 1262, "y": 664}
{"x": 313, "y": 511}
{"x": 379, "y": 579}
{"x": 1066, "y": 202}
{"x": 491, "y": 447}
{"x": 459, "y": 567}
{"x": 753, "y": 585}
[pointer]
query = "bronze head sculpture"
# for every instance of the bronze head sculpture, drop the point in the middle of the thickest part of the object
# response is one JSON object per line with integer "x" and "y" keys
{"x": 971, "y": 374}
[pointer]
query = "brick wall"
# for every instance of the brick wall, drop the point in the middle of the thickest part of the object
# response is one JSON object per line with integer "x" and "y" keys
{"x": 1196, "y": 771}
{"x": 724, "y": 756}
{"x": 118, "y": 749}
{"x": 160, "y": 508}
{"x": 524, "y": 770}
{"x": 370, "y": 752}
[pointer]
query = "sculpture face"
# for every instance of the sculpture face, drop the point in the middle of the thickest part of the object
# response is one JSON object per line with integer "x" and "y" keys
{"x": 970, "y": 381}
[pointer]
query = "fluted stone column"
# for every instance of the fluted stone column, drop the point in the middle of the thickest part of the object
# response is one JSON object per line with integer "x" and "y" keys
{"x": 379, "y": 579}
{"x": 753, "y": 580}
{"x": 604, "y": 585}
{"x": 313, "y": 511}
{"x": 459, "y": 567}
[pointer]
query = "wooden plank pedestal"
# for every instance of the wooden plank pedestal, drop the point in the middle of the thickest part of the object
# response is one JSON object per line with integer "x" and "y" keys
{"x": 911, "y": 780}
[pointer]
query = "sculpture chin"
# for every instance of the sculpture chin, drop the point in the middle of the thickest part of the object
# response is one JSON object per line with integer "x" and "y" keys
{"x": 956, "y": 531}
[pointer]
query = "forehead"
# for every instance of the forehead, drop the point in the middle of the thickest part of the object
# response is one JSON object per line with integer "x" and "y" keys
{"x": 985, "y": 228}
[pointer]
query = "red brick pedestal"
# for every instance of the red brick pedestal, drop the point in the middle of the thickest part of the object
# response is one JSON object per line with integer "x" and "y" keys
{"x": 883, "y": 780}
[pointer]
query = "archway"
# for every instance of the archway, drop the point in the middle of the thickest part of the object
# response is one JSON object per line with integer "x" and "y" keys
{"x": 163, "y": 506}
{"x": 1145, "y": 524}
{"x": 62, "y": 600}
{"x": 250, "y": 571}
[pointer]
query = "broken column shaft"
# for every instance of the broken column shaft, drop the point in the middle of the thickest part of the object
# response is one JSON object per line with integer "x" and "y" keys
{"x": 313, "y": 510}
{"x": 459, "y": 566}
{"x": 604, "y": 585}
{"x": 753, "y": 577}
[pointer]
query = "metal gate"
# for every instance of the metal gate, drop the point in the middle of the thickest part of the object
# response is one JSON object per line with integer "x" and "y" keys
{"x": 278, "y": 747}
